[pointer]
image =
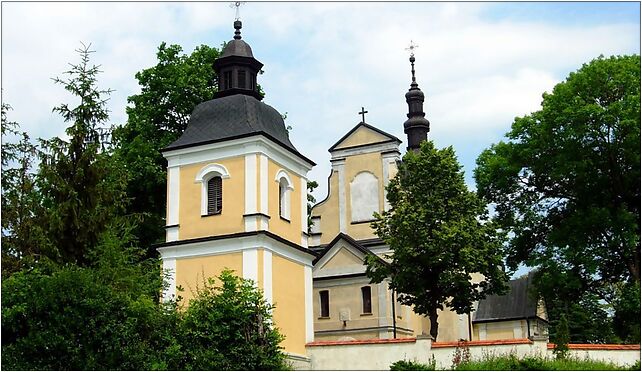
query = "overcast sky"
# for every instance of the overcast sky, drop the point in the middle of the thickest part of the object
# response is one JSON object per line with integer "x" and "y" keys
{"x": 479, "y": 64}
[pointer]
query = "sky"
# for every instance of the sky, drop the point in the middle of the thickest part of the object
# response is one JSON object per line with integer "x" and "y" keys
{"x": 479, "y": 64}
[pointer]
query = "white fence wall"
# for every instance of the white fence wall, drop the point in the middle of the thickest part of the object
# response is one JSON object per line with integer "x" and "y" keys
{"x": 380, "y": 354}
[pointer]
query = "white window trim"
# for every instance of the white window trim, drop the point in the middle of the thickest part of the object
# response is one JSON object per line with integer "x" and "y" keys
{"x": 204, "y": 175}
{"x": 282, "y": 175}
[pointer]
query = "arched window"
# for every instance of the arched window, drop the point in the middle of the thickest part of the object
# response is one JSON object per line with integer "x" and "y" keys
{"x": 214, "y": 195}
{"x": 211, "y": 179}
{"x": 285, "y": 189}
{"x": 284, "y": 210}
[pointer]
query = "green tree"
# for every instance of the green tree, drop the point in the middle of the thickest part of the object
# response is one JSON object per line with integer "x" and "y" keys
{"x": 562, "y": 338}
{"x": 440, "y": 236}
{"x": 228, "y": 327}
{"x": 103, "y": 317}
{"x": 82, "y": 188}
{"x": 566, "y": 183}
{"x": 156, "y": 117}
{"x": 21, "y": 207}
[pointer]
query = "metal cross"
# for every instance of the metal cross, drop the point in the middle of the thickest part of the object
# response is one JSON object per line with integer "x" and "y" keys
{"x": 237, "y": 4}
{"x": 412, "y": 48}
{"x": 363, "y": 114}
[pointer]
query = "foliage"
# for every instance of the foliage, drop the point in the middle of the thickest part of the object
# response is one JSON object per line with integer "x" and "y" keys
{"x": 21, "y": 208}
{"x": 156, "y": 117}
{"x": 511, "y": 362}
{"x": 82, "y": 188}
{"x": 311, "y": 200}
{"x": 587, "y": 316}
{"x": 566, "y": 186}
{"x": 73, "y": 319}
{"x": 407, "y": 365}
{"x": 440, "y": 236}
{"x": 562, "y": 338}
{"x": 82, "y": 319}
{"x": 461, "y": 354}
{"x": 229, "y": 327}
{"x": 626, "y": 320}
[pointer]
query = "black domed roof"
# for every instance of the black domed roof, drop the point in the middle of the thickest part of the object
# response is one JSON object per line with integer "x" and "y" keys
{"x": 237, "y": 48}
{"x": 231, "y": 117}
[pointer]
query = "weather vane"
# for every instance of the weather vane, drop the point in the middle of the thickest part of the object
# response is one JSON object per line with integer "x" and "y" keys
{"x": 412, "y": 48}
{"x": 237, "y": 4}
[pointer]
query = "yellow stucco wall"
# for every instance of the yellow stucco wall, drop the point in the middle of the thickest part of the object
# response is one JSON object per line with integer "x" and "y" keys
{"x": 289, "y": 230}
{"x": 328, "y": 210}
{"x": 354, "y": 165}
{"x": 191, "y": 273}
{"x": 361, "y": 136}
{"x": 345, "y": 297}
{"x": 343, "y": 258}
{"x": 288, "y": 290}
{"x": 230, "y": 220}
{"x": 367, "y": 335}
{"x": 501, "y": 330}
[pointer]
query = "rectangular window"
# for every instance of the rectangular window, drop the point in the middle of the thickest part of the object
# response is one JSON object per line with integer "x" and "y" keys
{"x": 366, "y": 300}
{"x": 227, "y": 80}
{"x": 324, "y": 299}
{"x": 241, "y": 77}
{"x": 253, "y": 79}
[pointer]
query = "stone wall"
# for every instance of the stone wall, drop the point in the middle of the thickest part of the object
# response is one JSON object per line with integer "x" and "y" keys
{"x": 380, "y": 354}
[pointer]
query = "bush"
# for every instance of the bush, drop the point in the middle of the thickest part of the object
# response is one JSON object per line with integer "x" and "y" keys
{"x": 71, "y": 320}
{"x": 407, "y": 365}
{"x": 74, "y": 319}
{"x": 229, "y": 327}
{"x": 531, "y": 363}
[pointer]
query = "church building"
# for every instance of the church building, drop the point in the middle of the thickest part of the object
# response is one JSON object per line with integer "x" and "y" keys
{"x": 237, "y": 199}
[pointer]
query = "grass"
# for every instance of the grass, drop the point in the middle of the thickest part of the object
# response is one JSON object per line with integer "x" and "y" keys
{"x": 513, "y": 363}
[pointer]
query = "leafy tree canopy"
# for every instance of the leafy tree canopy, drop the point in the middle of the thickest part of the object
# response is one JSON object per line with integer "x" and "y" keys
{"x": 566, "y": 184}
{"x": 157, "y": 116}
{"x": 440, "y": 236}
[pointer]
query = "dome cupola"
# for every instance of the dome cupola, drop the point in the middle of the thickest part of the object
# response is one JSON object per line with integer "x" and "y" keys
{"x": 237, "y": 68}
{"x": 417, "y": 126}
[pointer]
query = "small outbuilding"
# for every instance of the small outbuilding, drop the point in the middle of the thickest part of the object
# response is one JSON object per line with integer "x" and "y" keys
{"x": 516, "y": 314}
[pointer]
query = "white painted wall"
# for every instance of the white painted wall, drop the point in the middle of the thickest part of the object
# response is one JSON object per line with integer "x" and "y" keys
{"x": 379, "y": 355}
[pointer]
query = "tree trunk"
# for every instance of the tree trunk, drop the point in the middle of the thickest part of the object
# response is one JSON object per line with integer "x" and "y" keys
{"x": 433, "y": 324}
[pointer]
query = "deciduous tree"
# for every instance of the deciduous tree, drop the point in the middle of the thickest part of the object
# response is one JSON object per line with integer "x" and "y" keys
{"x": 566, "y": 182}
{"x": 157, "y": 116}
{"x": 440, "y": 237}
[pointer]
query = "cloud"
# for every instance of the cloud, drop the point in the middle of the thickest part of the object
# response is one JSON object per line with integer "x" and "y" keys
{"x": 323, "y": 61}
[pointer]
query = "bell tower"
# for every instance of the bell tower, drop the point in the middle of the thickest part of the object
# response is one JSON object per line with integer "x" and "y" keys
{"x": 237, "y": 199}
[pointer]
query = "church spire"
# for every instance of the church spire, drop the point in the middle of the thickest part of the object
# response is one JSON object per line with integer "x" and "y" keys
{"x": 237, "y": 68}
{"x": 417, "y": 126}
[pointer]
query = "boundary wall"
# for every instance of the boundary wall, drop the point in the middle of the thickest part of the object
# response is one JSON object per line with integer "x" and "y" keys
{"x": 380, "y": 354}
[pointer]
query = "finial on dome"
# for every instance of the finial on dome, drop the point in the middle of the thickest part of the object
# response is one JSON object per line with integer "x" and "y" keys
{"x": 412, "y": 48}
{"x": 417, "y": 126}
{"x": 237, "y": 28}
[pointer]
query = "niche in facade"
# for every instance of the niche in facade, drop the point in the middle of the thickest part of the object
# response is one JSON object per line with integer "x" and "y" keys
{"x": 364, "y": 197}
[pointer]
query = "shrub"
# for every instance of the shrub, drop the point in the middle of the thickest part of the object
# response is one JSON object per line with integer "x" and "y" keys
{"x": 229, "y": 327}
{"x": 407, "y": 365}
{"x": 75, "y": 319}
{"x": 532, "y": 363}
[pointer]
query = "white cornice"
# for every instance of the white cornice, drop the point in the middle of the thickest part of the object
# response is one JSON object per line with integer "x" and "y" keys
{"x": 257, "y": 144}
{"x": 365, "y": 149}
{"x": 235, "y": 244}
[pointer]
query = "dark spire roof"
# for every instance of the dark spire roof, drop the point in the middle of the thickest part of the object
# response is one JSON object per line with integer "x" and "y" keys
{"x": 237, "y": 68}
{"x": 236, "y": 110}
{"x": 417, "y": 126}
